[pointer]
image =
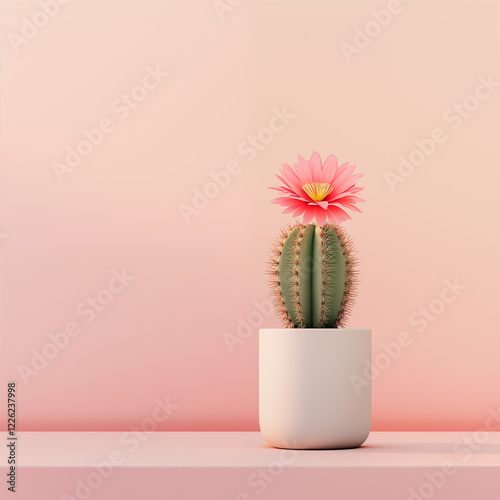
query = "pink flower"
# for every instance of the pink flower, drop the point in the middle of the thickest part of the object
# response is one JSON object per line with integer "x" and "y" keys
{"x": 318, "y": 190}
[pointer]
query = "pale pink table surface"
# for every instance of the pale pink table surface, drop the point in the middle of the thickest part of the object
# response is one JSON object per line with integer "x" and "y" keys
{"x": 241, "y": 466}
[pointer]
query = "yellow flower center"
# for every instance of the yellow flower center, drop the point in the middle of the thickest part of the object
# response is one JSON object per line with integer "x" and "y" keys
{"x": 317, "y": 191}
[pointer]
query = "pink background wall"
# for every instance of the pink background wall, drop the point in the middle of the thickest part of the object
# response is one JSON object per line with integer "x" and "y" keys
{"x": 164, "y": 334}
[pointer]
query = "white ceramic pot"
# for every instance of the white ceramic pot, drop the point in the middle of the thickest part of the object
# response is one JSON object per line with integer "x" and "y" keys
{"x": 313, "y": 387}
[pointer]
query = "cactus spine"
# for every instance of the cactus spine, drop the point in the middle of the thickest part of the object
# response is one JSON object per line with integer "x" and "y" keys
{"x": 313, "y": 276}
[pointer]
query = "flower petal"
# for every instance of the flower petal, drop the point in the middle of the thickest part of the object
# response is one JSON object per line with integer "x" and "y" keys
{"x": 283, "y": 189}
{"x": 315, "y": 166}
{"x": 336, "y": 215}
{"x": 321, "y": 216}
{"x": 339, "y": 211}
{"x": 329, "y": 169}
{"x": 352, "y": 207}
{"x": 284, "y": 181}
{"x": 342, "y": 197}
{"x": 306, "y": 171}
{"x": 350, "y": 199}
{"x": 308, "y": 215}
{"x": 348, "y": 183}
{"x": 292, "y": 178}
{"x": 343, "y": 173}
{"x": 299, "y": 210}
{"x": 302, "y": 176}
{"x": 285, "y": 201}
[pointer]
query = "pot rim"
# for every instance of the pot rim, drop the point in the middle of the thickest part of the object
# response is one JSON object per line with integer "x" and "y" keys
{"x": 312, "y": 330}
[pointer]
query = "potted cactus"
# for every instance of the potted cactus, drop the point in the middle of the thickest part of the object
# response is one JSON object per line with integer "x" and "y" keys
{"x": 307, "y": 399}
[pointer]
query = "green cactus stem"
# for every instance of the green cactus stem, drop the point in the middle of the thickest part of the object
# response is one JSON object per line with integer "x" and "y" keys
{"x": 313, "y": 276}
